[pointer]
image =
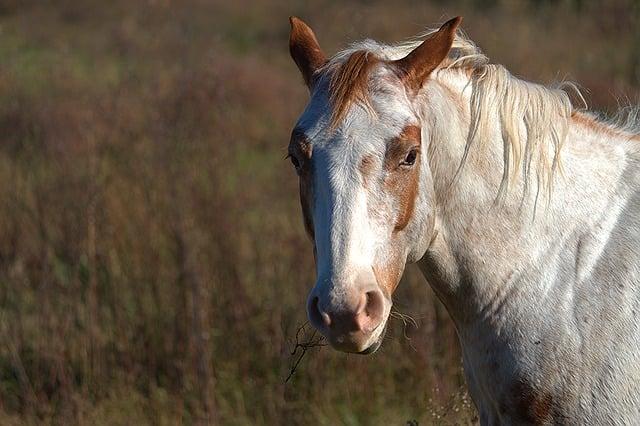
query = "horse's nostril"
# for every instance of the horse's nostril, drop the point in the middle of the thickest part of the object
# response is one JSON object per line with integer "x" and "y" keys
{"x": 369, "y": 311}
{"x": 317, "y": 315}
{"x": 374, "y": 307}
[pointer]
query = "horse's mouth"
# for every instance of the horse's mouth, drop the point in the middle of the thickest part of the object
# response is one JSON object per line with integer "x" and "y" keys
{"x": 375, "y": 345}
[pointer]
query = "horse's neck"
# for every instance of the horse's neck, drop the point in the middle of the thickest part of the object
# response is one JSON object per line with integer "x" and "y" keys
{"x": 484, "y": 255}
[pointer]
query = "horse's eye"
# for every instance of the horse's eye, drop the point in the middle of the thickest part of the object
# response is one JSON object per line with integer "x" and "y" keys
{"x": 410, "y": 159}
{"x": 294, "y": 161}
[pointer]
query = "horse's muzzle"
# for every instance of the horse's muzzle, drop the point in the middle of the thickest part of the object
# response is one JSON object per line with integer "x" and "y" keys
{"x": 352, "y": 325}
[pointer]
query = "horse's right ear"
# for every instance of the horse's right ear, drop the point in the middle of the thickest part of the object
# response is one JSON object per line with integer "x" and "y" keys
{"x": 424, "y": 59}
{"x": 305, "y": 50}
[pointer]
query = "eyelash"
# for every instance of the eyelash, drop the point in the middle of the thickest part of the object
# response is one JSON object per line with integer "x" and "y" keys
{"x": 294, "y": 161}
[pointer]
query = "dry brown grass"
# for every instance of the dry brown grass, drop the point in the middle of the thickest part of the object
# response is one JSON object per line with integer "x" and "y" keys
{"x": 153, "y": 263}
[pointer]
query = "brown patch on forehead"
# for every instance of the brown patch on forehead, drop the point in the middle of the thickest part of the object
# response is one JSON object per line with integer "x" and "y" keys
{"x": 412, "y": 133}
{"x": 400, "y": 182}
{"x": 349, "y": 84}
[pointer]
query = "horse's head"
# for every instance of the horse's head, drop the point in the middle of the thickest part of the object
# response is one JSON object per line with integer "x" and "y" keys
{"x": 365, "y": 186}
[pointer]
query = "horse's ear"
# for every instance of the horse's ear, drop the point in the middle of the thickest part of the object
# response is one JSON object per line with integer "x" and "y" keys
{"x": 420, "y": 63}
{"x": 305, "y": 50}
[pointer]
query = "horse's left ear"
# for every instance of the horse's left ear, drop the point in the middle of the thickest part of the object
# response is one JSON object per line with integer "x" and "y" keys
{"x": 422, "y": 60}
{"x": 305, "y": 49}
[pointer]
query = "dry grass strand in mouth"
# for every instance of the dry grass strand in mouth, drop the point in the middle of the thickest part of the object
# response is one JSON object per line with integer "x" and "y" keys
{"x": 407, "y": 320}
{"x": 304, "y": 341}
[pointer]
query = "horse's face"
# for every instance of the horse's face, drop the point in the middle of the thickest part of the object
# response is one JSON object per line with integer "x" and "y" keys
{"x": 360, "y": 188}
{"x": 365, "y": 189}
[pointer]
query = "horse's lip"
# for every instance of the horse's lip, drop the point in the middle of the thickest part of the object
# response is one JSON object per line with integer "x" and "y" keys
{"x": 371, "y": 349}
{"x": 376, "y": 345}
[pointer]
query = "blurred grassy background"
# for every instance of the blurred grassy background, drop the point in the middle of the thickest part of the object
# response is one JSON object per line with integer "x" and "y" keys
{"x": 153, "y": 264}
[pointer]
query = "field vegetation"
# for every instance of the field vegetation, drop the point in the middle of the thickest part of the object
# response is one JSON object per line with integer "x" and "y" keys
{"x": 153, "y": 263}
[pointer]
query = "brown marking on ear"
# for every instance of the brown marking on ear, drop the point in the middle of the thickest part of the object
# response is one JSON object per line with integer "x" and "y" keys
{"x": 302, "y": 149}
{"x": 403, "y": 183}
{"x": 366, "y": 168}
{"x": 305, "y": 49}
{"x": 349, "y": 84}
{"x": 424, "y": 59}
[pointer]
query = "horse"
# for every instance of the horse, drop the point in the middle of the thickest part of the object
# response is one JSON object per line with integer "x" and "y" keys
{"x": 521, "y": 209}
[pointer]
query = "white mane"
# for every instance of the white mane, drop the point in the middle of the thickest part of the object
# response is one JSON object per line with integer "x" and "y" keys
{"x": 533, "y": 118}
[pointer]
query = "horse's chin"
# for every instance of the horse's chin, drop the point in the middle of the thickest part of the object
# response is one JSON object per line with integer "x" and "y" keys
{"x": 352, "y": 347}
{"x": 371, "y": 349}
{"x": 376, "y": 345}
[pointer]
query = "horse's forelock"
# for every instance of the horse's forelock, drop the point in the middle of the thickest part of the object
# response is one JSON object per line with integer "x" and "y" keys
{"x": 349, "y": 70}
{"x": 348, "y": 84}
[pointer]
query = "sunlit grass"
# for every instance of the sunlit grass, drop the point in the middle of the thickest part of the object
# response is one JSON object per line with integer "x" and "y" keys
{"x": 153, "y": 263}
